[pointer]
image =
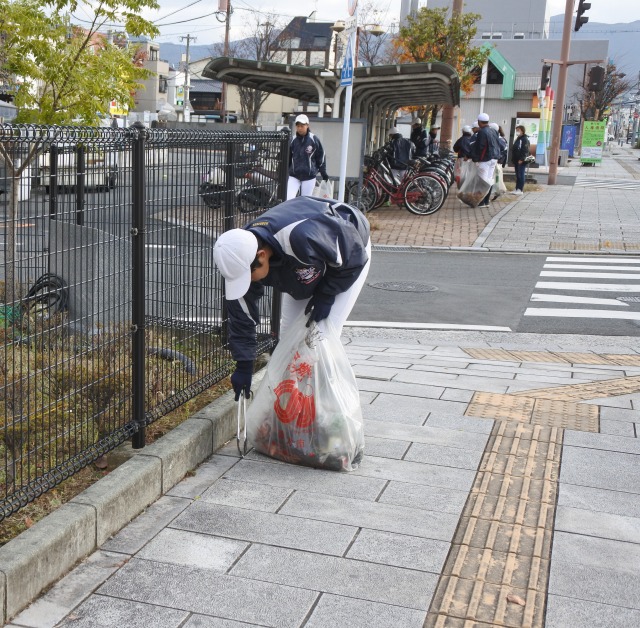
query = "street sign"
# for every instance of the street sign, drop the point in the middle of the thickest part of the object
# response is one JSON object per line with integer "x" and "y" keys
{"x": 346, "y": 74}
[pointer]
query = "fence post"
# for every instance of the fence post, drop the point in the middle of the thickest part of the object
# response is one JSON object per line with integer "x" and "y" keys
{"x": 80, "y": 179}
{"x": 53, "y": 181}
{"x": 285, "y": 144}
{"x": 138, "y": 296}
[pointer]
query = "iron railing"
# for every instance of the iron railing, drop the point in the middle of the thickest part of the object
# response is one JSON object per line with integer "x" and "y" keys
{"x": 111, "y": 308}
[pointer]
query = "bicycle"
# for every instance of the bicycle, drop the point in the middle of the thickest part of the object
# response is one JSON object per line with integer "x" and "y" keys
{"x": 421, "y": 193}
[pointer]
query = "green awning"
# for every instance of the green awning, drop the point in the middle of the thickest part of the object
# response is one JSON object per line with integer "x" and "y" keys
{"x": 505, "y": 68}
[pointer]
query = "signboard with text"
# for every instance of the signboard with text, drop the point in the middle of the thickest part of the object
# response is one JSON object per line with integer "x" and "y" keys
{"x": 593, "y": 134}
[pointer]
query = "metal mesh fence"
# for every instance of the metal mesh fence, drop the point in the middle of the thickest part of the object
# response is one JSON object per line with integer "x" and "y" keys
{"x": 111, "y": 308}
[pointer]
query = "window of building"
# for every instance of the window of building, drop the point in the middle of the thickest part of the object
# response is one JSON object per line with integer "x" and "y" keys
{"x": 518, "y": 36}
{"x": 294, "y": 42}
{"x": 153, "y": 54}
{"x": 319, "y": 42}
{"x": 486, "y": 35}
{"x": 496, "y": 35}
{"x": 163, "y": 85}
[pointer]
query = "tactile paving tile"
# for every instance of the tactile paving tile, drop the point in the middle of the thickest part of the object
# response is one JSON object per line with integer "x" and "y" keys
{"x": 498, "y": 406}
{"x": 498, "y": 569}
{"x": 588, "y": 390}
{"x": 538, "y": 356}
{"x": 490, "y": 354}
{"x": 623, "y": 360}
{"x": 575, "y": 357}
{"x": 566, "y": 414}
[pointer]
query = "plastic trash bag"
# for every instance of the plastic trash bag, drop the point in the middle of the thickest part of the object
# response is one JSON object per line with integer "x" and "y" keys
{"x": 474, "y": 188}
{"x": 499, "y": 188}
{"x": 460, "y": 170}
{"x": 324, "y": 189}
{"x": 307, "y": 408}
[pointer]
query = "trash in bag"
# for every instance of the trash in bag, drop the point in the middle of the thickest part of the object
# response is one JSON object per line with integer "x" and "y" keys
{"x": 461, "y": 170}
{"x": 307, "y": 408}
{"x": 324, "y": 189}
{"x": 474, "y": 188}
{"x": 499, "y": 188}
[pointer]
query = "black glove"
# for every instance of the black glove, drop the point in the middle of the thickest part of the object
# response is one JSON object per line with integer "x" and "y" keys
{"x": 241, "y": 378}
{"x": 325, "y": 177}
{"x": 320, "y": 307}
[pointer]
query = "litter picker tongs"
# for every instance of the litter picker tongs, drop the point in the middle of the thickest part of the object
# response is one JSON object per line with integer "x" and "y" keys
{"x": 241, "y": 433}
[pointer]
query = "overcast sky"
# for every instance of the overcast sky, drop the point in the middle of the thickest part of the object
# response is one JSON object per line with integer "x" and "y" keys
{"x": 197, "y": 17}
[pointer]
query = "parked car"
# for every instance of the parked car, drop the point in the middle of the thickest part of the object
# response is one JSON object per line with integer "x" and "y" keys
{"x": 101, "y": 168}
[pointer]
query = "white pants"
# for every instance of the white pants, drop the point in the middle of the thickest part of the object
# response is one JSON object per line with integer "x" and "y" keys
{"x": 487, "y": 170}
{"x": 340, "y": 310}
{"x": 305, "y": 187}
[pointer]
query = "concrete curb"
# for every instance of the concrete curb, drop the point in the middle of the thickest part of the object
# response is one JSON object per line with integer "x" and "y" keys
{"x": 44, "y": 553}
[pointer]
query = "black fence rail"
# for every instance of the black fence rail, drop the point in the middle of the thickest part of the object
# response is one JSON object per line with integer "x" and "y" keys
{"x": 111, "y": 308}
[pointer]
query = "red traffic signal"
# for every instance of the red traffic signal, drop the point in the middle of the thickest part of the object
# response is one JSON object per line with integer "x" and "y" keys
{"x": 581, "y": 20}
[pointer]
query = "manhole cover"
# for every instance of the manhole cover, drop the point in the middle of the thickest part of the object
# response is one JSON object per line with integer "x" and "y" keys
{"x": 404, "y": 286}
{"x": 630, "y": 299}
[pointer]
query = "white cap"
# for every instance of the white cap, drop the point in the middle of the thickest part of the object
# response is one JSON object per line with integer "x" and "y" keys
{"x": 494, "y": 126}
{"x": 417, "y": 121}
{"x": 467, "y": 129}
{"x": 302, "y": 119}
{"x": 234, "y": 251}
{"x": 393, "y": 130}
{"x": 434, "y": 128}
{"x": 483, "y": 117}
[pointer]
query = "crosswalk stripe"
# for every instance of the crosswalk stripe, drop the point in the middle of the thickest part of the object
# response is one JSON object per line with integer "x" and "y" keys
{"x": 589, "y": 267}
{"x": 625, "y": 184}
{"x": 553, "y": 273}
{"x": 601, "y": 260}
{"x": 575, "y": 313}
{"x": 560, "y": 298}
{"x": 594, "y": 287}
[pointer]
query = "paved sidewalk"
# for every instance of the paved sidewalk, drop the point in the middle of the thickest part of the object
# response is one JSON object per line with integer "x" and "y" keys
{"x": 500, "y": 487}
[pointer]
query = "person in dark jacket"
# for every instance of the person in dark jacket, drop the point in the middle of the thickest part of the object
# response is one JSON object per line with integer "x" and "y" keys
{"x": 462, "y": 147}
{"x": 316, "y": 252}
{"x": 419, "y": 138}
{"x": 485, "y": 151}
{"x": 402, "y": 152}
{"x": 519, "y": 152}
{"x": 433, "y": 144}
{"x": 306, "y": 160}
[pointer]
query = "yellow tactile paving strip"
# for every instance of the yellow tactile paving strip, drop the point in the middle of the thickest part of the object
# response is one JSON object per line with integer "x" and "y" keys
{"x": 497, "y": 571}
{"x": 587, "y": 390}
{"x": 538, "y": 410}
{"x": 565, "y": 357}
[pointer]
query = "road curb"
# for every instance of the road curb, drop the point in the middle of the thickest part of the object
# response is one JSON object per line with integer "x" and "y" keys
{"x": 44, "y": 553}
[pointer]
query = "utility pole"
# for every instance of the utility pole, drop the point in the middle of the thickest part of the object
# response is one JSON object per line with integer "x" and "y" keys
{"x": 562, "y": 89}
{"x": 227, "y": 24}
{"x": 446, "y": 126}
{"x": 187, "y": 113}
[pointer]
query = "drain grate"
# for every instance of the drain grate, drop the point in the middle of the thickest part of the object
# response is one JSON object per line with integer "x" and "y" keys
{"x": 403, "y": 286}
{"x": 629, "y": 299}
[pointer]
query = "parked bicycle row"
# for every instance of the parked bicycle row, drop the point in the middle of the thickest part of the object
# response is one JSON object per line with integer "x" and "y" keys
{"x": 421, "y": 184}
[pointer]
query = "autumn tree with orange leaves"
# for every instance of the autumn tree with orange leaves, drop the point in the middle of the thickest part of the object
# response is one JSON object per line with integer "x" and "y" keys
{"x": 433, "y": 35}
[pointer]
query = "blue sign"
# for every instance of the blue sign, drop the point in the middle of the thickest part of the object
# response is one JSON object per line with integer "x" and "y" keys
{"x": 346, "y": 75}
{"x": 568, "y": 142}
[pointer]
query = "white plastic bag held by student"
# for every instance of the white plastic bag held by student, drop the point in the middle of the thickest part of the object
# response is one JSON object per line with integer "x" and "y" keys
{"x": 324, "y": 189}
{"x": 307, "y": 408}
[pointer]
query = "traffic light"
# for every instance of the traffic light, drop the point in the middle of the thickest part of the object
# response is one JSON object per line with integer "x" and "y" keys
{"x": 545, "y": 79}
{"x": 580, "y": 19}
{"x": 596, "y": 78}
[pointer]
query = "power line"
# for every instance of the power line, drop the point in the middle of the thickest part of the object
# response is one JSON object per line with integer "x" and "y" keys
{"x": 177, "y": 10}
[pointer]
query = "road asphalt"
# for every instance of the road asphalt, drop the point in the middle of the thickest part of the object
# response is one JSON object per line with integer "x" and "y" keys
{"x": 500, "y": 484}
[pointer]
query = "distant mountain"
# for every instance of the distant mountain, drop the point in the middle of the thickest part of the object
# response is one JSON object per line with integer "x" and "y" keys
{"x": 173, "y": 52}
{"x": 624, "y": 41}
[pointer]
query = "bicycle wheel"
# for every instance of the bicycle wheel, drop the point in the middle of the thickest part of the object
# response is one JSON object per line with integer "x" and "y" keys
{"x": 424, "y": 195}
{"x": 368, "y": 196}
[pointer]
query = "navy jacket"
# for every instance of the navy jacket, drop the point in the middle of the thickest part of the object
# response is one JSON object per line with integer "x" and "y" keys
{"x": 420, "y": 139}
{"x": 306, "y": 157}
{"x": 318, "y": 247}
{"x": 486, "y": 146}
{"x": 462, "y": 147}
{"x": 402, "y": 152}
{"x": 520, "y": 149}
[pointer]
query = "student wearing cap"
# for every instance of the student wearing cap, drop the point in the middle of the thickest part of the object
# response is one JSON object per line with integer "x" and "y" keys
{"x": 433, "y": 143}
{"x": 402, "y": 152}
{"x": 419, "y": 138}
{"x": 485, "y": 151}
{"x": 462, "y": 147}
{"x": 316, "y": 252}
{"x": 306, "y": 160}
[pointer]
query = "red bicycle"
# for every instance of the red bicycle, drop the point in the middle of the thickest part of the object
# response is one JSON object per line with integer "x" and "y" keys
{"x": 421, "y": 193}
